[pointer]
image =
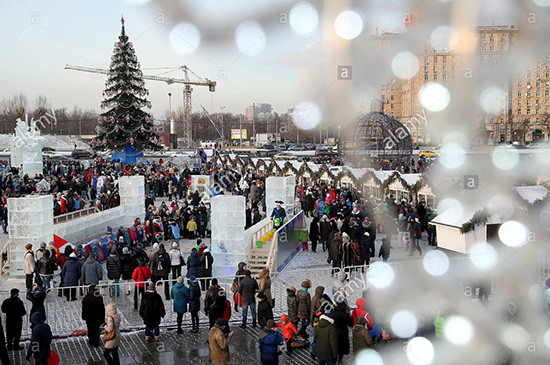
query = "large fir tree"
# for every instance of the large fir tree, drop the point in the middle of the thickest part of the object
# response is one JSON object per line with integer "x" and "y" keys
{"x": 125, "y": 122}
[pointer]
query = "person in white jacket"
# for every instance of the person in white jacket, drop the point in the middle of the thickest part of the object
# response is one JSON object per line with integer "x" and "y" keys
{"x": 112, "y": 321}
{"x": 176, "y": 260}
{"x": 29, "y": 265}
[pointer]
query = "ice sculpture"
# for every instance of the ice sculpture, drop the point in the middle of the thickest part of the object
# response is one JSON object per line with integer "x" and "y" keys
{"x": 132, "y": 196}
{"x": 228, "y": 239}
{"x": 201, "y": 183}
{"x": 31, "y": 221}
{"x": 26, "y": 149}
{"x": 280, "y": 188}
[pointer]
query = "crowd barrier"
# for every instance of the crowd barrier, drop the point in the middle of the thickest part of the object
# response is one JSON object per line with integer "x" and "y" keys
{"x": 64, "y": 317}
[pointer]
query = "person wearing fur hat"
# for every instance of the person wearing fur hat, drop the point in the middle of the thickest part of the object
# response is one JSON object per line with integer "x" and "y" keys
{"x": 324, "y": 336}
{"x": 304, "y": 307}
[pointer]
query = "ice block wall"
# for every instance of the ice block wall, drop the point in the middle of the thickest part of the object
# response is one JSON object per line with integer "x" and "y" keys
{"x": 201, "y": 183}
{"x": 228, "y": 238}
{"x": 132, "y": 197}
{"x": 30, "y": 221}
{"x": 280, "y": 188}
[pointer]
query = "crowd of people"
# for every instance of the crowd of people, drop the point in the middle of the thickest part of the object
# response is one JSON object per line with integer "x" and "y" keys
{"x": 346, "y": 225}
{"x": 343, "y": 223}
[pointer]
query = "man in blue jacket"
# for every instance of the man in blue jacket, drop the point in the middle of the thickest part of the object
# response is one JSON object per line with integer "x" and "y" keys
{"x": 270, "y": 340}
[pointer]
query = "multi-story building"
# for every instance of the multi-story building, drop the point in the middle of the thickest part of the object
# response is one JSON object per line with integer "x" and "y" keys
{"x": 526, "y": 112}
{"x": 252, "y": 112}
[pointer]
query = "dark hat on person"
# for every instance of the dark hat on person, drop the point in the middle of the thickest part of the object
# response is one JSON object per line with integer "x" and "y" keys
{"x": 214, "y": 281}
{"x": 221, "y": 322}
{"x": 279, "y": 202}
{"x": 270, "y": 324}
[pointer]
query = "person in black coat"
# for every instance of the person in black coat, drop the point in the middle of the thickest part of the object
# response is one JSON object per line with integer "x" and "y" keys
{"x": 114, "y": 270}
{"x": 314, "y": 233}
{"x": 215, "y": 302}
{"x": 205, "y": 268}
{"x": 15, "y": 310}
{"x": 265, "y": 312}
{"x": 385, "y": 249}
{"x": 193, "y": 263}
{"x": 37, "y": 296}
{"x": 342, "y": 323}
{"x": 151, "y": 310}
{"x": 194, "y": 302}
{"x": 370, "y": 228}
{"x": 324, "y": 231}
{"x": 93, "y": 313}
{"x": 41, "y": 338}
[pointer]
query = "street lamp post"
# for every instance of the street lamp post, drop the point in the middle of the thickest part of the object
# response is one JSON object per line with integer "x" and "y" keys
{"x": 240, "y": 132}
{"x": 223, "y": 134}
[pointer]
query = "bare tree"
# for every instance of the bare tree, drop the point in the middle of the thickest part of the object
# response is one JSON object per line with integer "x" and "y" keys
{"x": 11, "y": 109}
{"x": 41, "y": 106}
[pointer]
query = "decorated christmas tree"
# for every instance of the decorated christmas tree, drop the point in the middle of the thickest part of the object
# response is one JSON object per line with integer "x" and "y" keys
{"x": 125, "y": 127}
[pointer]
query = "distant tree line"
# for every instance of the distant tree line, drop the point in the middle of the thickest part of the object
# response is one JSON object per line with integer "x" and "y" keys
{"x": 77, "y": 121}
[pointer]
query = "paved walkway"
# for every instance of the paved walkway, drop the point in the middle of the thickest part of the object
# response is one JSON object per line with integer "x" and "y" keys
{"x": 172, "y": 349}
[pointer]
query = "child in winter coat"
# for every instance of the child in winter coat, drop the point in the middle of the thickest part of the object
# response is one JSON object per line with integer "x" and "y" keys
{"x": 265, "y": 312}
{"x": 289, "y": 330}
{"x": 192, "y": 227}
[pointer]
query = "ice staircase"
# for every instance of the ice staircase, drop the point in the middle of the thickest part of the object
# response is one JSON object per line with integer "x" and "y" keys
{"x": 259, "y": 258}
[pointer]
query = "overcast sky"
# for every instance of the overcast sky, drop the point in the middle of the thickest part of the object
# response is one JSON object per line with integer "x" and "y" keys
{"x": 39, "y": 37}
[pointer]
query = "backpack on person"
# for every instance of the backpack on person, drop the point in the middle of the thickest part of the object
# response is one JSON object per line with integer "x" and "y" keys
{"x": 161, "y": 263}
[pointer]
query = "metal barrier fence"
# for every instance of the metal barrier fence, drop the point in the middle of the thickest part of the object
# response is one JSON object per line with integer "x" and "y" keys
{"x": 64, "y": 317}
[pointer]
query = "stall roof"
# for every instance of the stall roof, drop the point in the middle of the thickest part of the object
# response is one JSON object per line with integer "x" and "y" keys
{"x": 411, "y": 179}
{"x": 383, "y": 175}
{"x": 532, "y": 193}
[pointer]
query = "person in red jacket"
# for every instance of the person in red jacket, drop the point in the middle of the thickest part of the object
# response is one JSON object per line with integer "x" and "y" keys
{"x": 289, "y": 330}
{"x": 361, "y": 311}
{"x": 227, "y": 312}
{"x": 141, "y": 274}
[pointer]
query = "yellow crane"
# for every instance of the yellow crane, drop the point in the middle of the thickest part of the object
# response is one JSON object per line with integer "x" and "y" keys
{"x": 187, "y": 89}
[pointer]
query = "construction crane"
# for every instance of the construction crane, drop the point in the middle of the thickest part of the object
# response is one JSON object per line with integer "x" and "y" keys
{"x": 214, "y": 124}
{"x": 187, "y": 89}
